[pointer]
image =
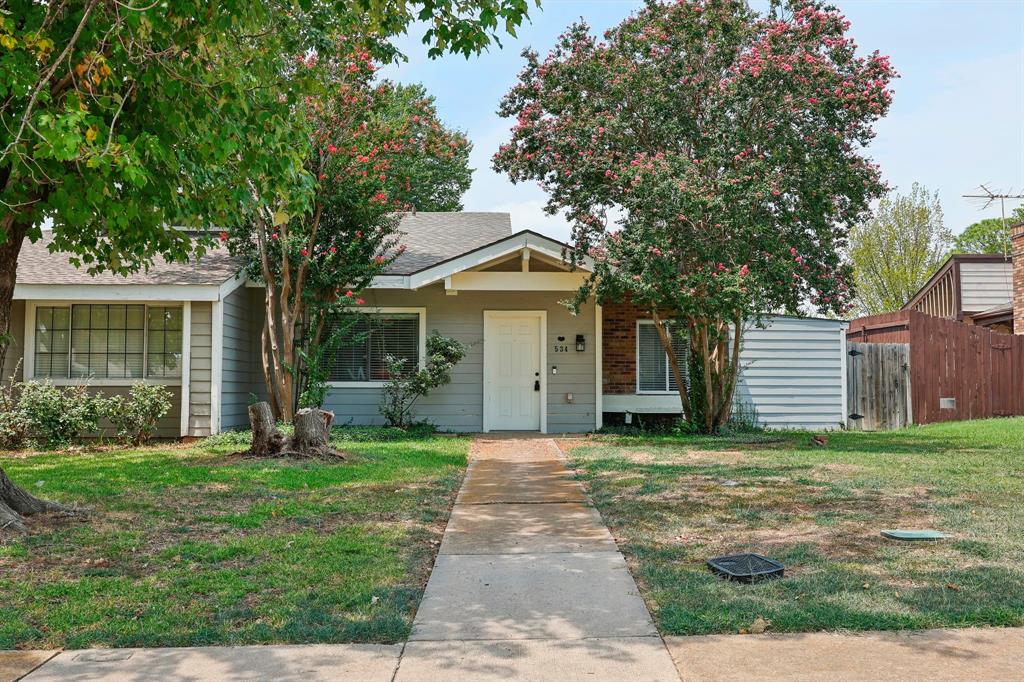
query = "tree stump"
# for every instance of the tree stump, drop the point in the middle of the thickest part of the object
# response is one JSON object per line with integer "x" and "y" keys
{"x": 267, "y": 441}
{"x": 311, "y": 439}
{"x": 16, "y": 503}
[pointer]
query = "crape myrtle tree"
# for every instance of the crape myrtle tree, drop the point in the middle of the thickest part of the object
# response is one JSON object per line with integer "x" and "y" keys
{"x": 730, "y": 146}
{"x": 119, "y": 120}
{"x": 375, "y": 150}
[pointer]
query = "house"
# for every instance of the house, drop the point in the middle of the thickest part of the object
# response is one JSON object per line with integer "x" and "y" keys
{"x": 970, "y": 288}
{"x": 531, "y": 366}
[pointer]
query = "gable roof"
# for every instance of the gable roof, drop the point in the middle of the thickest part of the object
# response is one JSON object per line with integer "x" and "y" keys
{"x": 951, "y": 263}
{"x": 37, "y": 265}
{"x": 433, "y": 237}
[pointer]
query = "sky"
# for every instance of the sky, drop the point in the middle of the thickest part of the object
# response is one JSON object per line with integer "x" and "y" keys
{"x": 957, "y": 119}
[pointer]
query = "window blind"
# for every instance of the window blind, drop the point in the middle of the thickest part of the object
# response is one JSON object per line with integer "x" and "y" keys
{"x": 368, "y": 342}
{"x": 653, "y": 371}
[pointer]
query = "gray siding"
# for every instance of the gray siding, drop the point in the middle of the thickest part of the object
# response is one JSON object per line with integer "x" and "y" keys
{"x": 792, "y": 373}
{"x": 242, "y": 375}
{"x": 459, "y": 406}
{"x": 985, "y": 285}
{"x": 200, "y": 369}
{"x": 14, "y": 360}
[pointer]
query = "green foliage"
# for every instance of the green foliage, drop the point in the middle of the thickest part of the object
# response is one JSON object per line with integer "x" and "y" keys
{"x": 57, "y": 415}
{"x": 405, "y": 387}
{"x": 731, "y": 146}
{"x": 991, "y": 235}
{"x": 13, "y": 424}
{"x": 898, "y": 249}
{"x": 135, "y": 417}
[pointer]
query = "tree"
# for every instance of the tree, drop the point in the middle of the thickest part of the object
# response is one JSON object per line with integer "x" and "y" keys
{"x": 731, "y": 143}
{"x": 898, "y": 249}
{"x": 991, "y": 235}
{"x": 375, "y": 148}
{"x": 120, "y": 120}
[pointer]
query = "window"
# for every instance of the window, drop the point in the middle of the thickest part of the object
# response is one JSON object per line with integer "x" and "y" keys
{"x": 163, "y": 351}
{"x": 108, "y": 341}
{"x": 371, "y": 338}
{"x": 653, "y": 373}
{"x": 52, "y": 341}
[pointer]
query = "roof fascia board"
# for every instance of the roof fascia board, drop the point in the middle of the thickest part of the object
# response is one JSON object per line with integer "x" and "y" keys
{"x": 117, "y": 292}
{"x": 491, "y": 252}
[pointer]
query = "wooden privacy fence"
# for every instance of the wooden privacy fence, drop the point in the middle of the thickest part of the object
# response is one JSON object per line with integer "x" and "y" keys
{"x": 956, "y": 371}
{"x": 878, "y": 386}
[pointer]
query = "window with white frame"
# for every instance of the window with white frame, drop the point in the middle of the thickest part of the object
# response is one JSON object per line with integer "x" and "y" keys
{"x": 108, "y": 341}
{"x": 370, "y": 339}
{"x": 653, "y": 372}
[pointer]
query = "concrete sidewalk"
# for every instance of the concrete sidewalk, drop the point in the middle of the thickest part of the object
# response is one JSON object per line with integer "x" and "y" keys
{"x": 529, "y": 584}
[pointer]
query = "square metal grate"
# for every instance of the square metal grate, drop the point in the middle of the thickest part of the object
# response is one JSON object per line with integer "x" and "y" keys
{"x": 746, "y": 568}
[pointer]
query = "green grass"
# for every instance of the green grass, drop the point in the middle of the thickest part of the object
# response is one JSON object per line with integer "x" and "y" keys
{"x": 192, "y": 546}
{"x": 819, "y": 510}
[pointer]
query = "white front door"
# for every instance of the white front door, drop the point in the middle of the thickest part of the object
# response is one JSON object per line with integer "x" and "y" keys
{"x": 513, "y": 381}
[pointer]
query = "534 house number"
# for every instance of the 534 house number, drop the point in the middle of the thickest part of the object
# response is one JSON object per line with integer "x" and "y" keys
{"x": 561, "y": 348}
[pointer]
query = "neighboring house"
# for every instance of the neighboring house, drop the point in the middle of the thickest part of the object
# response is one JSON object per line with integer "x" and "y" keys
{"x": 971, "y": 288}
{"x": 531, "y": 366}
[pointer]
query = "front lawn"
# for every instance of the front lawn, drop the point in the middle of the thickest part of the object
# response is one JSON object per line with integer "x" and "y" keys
{"x": 192, "y": 546}
{"x": 672, "y": 503}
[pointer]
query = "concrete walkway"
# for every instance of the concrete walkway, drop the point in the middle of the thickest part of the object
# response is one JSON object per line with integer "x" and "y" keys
{"x": 529, "y": 584}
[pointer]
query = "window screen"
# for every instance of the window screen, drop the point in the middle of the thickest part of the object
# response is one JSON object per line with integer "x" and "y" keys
{"x": 370, "y": 339}
{"x": 163, "y": 350}
{"x": 53, "y": 337}
{"x": 653, "y": 371}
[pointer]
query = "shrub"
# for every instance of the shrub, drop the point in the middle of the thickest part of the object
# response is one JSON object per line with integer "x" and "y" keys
{"x": 404, "y": 388}
{"x": 54, "y": 416}
{"x": 13, "y": 426}
{"x": 135, "y": 416}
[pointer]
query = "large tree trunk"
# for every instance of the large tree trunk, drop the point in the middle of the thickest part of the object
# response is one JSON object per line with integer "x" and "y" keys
{"x": 17, "y": 503}
{"x": 10, "y": 246}
{"x": 311, "y": 438}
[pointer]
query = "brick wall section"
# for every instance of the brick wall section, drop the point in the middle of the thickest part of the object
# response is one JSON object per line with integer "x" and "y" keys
{"x": 618, "y": 336}
{"x": 1017, "y": 236}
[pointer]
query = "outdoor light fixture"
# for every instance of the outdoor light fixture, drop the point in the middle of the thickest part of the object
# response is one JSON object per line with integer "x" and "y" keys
{"x": 581, "y": 343}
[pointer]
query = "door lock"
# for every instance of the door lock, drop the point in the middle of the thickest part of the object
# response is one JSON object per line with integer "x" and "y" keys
{"x": 536, "y": 384}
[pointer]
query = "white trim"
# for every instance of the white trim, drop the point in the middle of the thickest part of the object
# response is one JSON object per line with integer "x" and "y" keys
{"x": 216, "y": 365}
{"x": 542, "y": 315}
{"x": 516, "y": 281}
{"x": 598, "y": 369}
{"x": 28, "y": 356}
{"x": 843, "y": 358}
{"x": 231, "y": 284}
{"x": 374, "y": 310}
{"x": 389, "y": 282}
{"x": 505, "y": 247}
{"x": 29, "y": 351}
{"x": 186, "y": 366}
{"x": 661, "y": 403}
{"x": 121, "y": 293}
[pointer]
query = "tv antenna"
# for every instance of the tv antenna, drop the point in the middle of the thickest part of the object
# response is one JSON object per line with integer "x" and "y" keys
{"x": 988, "y": 197}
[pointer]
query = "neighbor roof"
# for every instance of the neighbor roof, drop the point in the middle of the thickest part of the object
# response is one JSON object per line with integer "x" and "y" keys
{"x": 433, "y": 237}
{"x": 36, "y": 265}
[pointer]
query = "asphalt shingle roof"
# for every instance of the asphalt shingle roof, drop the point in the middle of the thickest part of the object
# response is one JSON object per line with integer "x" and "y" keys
{"x": 429, "y": 239}
{"x": 36, "y": 265}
